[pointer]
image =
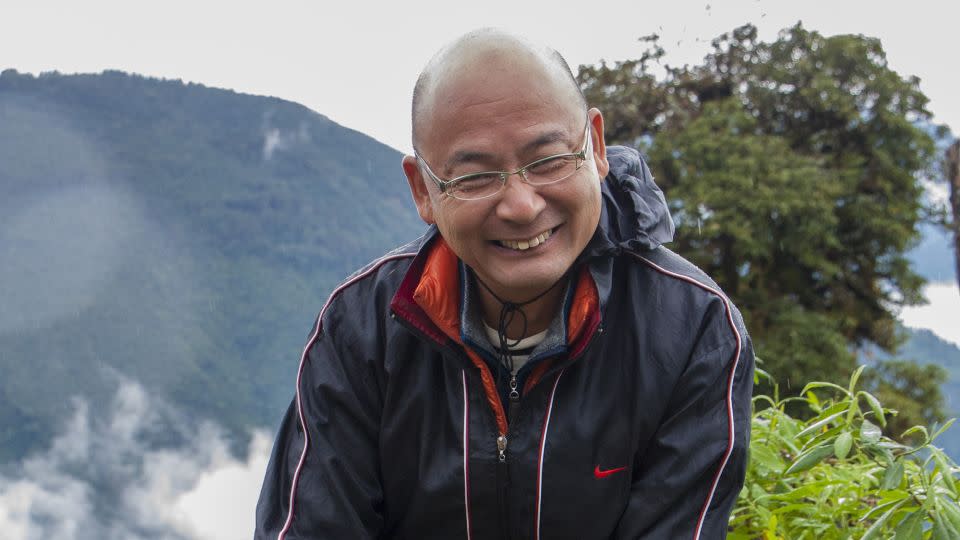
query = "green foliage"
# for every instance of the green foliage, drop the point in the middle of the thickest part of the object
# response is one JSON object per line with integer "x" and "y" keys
{"x": 792, "y": 168}
{"x": 836, "y": 476}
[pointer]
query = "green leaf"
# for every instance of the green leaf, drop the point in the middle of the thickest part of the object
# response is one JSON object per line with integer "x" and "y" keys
{"x": 842, "y": 406}
{"x": 824, "y": 436}
{"x": 842, "y": 444}
{"x": 761, "y": 398}
{"x": 916, "y": 429}
{"x": 819, "y": 424}
{"x": 899, "y": 501}
{"x": 869, "y": 432}
{"x": 809, "y": 459}
{"x": 759, "y": 373}
{"x": 854, "y": 378}
{"x": 772, "y": 525}
{"x": 911, "y": 528}
{"x": 875, "y": 407}
{"x": 893, "y": 476}
{"x": 766, "y": 457}
{"x": 821, "y": 384}
{"x": 878, "y": 525}
{"x": 943, "y": 529}
{"x": 946, "y": 472}
{"x": 943, "y": 428}
{"x": 951, "y": 511}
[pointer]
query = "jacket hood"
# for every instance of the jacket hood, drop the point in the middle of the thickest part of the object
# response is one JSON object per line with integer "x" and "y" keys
{"x": 634, "y": 215}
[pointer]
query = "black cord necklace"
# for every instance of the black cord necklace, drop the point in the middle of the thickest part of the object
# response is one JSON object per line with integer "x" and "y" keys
{"x": 509, "y": 310}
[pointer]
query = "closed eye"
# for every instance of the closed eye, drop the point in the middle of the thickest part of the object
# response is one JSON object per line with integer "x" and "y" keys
{"x": 548, "y": 165}
{"x": 474, "y": 182}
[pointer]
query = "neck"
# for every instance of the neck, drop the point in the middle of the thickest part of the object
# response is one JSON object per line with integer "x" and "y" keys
{"x": 539, "y": 313}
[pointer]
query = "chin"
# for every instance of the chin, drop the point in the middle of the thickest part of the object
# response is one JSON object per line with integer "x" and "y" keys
{"x": 523, "y": 290}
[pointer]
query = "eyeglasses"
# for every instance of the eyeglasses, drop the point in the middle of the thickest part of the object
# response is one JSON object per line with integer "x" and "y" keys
{"x": 542, "y": 172}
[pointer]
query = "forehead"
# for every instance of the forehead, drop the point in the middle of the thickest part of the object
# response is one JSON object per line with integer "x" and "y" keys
{"x": 490, "y": 100}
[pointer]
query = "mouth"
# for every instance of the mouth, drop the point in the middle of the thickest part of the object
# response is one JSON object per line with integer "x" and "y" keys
{"x": 529, "y": 243}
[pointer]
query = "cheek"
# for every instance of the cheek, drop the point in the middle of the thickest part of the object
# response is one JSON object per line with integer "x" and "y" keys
{"x": 588, "y": 209}
{"x": 459, "y": 223}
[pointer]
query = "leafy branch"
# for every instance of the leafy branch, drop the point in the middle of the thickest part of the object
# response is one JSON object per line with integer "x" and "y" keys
{"x": 836, "y": 476}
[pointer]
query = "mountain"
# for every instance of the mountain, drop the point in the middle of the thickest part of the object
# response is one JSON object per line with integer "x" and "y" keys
{"x": 180, "y": 236}
{"x": 925, "y": 347}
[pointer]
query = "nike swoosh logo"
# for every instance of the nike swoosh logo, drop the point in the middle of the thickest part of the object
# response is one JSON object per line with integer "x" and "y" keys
{"x": 597, "y": 473}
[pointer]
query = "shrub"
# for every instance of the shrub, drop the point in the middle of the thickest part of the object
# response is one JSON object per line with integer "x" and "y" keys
{"x": 836, "y": 476}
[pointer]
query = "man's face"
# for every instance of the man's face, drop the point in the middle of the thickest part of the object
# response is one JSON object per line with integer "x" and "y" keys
{"x": 503, "y": 119}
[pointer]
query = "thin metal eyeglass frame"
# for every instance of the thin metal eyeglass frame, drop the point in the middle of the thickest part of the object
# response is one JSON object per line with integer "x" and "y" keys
{"x": 444, "y": 185}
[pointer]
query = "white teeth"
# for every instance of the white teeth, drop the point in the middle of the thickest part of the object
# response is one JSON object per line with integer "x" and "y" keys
{"x": 523, "y": 245}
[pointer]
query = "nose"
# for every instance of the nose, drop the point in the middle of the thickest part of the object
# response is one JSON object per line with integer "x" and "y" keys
{"x": 519, "y": 202}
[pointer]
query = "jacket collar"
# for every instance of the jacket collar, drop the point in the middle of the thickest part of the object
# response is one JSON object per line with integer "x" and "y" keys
{"x": 429, "y": 295}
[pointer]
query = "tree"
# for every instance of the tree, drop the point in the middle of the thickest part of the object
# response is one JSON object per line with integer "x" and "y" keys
{"x": 792, "y": 170}
{"x": 953, "y": 177}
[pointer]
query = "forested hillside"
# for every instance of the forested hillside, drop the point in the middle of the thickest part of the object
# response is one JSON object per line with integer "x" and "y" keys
{"x": 180, "y": 236}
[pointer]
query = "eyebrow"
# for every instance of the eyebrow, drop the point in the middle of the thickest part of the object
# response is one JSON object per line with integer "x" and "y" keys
{"x": 471, "y": 156}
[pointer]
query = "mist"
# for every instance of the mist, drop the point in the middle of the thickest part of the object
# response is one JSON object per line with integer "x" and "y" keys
{"x": 110, "y": 475}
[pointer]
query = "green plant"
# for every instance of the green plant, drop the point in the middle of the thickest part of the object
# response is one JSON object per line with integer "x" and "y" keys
{"x": 836, "y": 476}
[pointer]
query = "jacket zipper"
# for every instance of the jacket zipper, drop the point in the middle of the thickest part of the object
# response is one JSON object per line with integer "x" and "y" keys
{"x": 503, "y": 467}
{"x": 503, "y": 483}
{"x": 502, "y": 440}
{"x": 503, "y": 470}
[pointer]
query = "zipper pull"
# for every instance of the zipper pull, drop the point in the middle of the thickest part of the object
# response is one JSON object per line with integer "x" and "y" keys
{"x": 514, "y": 393}
{"x": 502, "y": 448}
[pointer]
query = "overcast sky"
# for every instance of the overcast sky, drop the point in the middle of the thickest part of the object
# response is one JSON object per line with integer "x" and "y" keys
{"x": 356, "y": 62}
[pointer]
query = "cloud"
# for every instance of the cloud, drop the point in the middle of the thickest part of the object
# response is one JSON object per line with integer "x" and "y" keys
{"x": 271, "y": 141}
{"x": 275, "y": 138}
{"x": 142, "y": 470}
{"x": 936, "y": 193}
{"x": 940, "y": 315}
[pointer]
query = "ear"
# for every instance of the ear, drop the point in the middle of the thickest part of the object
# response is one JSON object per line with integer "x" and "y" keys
{"x": 599, "y": 145}
{"x": 418, "y": 188}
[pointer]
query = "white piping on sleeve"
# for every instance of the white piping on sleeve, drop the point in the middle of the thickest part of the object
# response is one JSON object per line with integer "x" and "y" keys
{"x": 543, "y": 444}
{"x": 466, "y": 452}
{"x": 729, "y": 400}
{"x": 303, "y": 359}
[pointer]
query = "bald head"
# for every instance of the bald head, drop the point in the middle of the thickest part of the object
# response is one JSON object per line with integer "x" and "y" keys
{"x": 484, "y": 51}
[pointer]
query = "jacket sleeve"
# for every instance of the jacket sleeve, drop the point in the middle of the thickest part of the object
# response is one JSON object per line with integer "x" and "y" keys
{"x": 688, "y": 477}
{"x": 325, "y": 483}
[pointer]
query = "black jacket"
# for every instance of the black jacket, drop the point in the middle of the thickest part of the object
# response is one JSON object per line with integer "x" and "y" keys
{"x": 636, "y": 428}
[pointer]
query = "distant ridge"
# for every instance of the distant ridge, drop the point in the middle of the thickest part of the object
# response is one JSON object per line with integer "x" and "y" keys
{"x": 174, "y": 234}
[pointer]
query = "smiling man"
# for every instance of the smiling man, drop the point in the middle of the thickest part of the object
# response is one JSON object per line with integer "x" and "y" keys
{"x": 537, "y": 365}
